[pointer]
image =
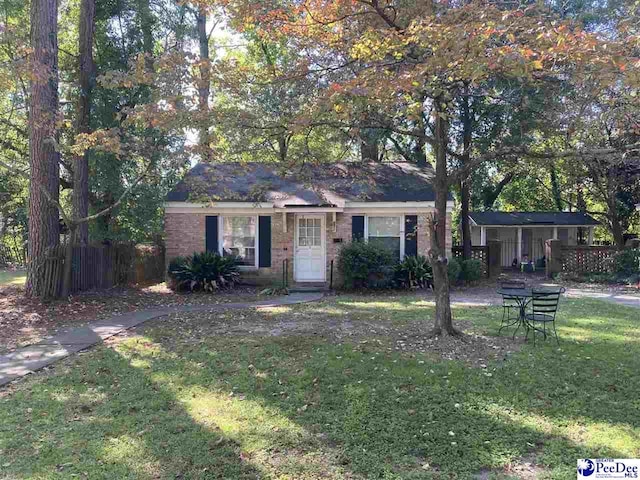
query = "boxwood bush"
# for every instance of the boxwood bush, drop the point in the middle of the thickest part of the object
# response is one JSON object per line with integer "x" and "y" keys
{"x": 471, "y": 270}
{"x": 627, "y": 262}
{"x": 454, "y": 270}
{"x": 205, "y": 271}
{"x": 365, "y": 265}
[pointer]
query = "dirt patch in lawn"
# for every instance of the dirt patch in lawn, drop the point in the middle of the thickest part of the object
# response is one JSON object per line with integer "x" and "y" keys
{"x": 524, "y": 468}
{"x": 26, "y": 320}
{"x": 409, "y": 338}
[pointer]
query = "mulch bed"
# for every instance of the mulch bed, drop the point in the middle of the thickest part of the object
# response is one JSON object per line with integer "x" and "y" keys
{"x": 27, "y": 320}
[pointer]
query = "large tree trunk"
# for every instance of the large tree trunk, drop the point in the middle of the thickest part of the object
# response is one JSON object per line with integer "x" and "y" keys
{"x": 204, "y": 86}
{"x": 81, "y": 162}
{"x": 555, "y": 188}
{"x": 465, "y": 203}
{"x": 283, "y": 147}
{"x": 465, "y": 190}
{"x": 443, "y": 322}
{"x": 419, "y": 152}
{"x": 44, "y": 228}
{"x": 617, "y": 230}
{"x": 146, "y": 25}
{"x": 369, "y": 147}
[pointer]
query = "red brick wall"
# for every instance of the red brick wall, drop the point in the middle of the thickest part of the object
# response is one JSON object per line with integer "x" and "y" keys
{"x": 185, "y": 234}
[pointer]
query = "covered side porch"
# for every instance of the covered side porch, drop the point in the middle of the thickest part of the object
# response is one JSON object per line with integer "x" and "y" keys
{"x": 523, "y": 235}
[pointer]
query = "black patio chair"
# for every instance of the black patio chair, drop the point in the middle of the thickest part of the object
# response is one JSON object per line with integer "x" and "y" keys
{"x": 509, "y": 303}
{"x": 544, "y": 307}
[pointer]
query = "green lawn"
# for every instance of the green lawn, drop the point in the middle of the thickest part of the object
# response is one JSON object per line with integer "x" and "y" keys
{"x": 13, "y": 277}
{"x": 180, "y": 401}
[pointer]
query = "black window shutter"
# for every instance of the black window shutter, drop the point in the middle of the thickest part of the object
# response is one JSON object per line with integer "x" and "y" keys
{"x": 211, "y": 233}
{"x": 264, "y": 241}
{"x": 357, "y": 227}
{"x": 410, "y": 235}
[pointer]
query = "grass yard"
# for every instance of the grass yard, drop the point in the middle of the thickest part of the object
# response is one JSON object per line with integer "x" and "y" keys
{"x": 344, "y": 388}
{"x": 13, "y": 277}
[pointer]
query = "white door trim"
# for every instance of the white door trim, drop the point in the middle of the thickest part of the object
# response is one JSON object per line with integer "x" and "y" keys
{"x": 323, "y": 236}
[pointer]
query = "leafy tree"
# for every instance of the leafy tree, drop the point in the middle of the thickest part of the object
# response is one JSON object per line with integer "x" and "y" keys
{"x": 429, "y": 56}
{"x": 43, "y": 111}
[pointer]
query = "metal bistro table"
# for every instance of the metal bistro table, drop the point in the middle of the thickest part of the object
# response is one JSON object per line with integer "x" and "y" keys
{"x": 522, "y": 296}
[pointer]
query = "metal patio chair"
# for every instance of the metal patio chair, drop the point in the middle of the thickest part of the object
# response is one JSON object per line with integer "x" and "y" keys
{"x": 544, "y": 307}
{"x": 509, "y": 303}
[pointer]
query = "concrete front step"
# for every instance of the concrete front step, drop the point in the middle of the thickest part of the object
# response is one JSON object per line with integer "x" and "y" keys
{"x": 309, "y": 287}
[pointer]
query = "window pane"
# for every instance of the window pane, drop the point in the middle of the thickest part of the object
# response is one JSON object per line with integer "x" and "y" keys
{"x": 385, "y": 231}
{"x": 384, "y": 227}
{"x": 239, "y": 238}
{"x": 390, "y": 243}
{"x": 309, "y": 232}
{"x": 302, "y": 232}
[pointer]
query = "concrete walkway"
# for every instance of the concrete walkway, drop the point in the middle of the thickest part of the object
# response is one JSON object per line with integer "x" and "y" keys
{"x": 627, "y": 299}
{"x": 28, "y": 359}
{"x": 472, "y": 298}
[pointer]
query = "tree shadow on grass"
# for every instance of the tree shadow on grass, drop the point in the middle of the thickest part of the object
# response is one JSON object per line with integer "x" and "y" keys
{"x": 389, "y": 415}
{"x": 104, "y": 418}
{"x": 299, "y": 407}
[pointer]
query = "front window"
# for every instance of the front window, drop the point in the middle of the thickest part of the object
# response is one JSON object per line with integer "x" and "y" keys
{"x": 239, "y": 239}
{"x": 385, "y": 231}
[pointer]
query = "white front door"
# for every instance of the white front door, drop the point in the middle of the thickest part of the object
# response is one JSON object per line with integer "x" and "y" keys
{"x": 309, "y": 260}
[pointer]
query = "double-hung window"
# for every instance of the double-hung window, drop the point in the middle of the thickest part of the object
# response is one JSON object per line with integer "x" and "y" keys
{"x": 239, "y": 239}
{"x": 386, "y": 232}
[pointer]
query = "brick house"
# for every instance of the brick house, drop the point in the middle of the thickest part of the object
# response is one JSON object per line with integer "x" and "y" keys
{"x": 299, "y": 219}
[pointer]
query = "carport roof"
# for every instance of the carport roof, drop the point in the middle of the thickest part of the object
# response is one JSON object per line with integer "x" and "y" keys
{"x": 532, "y": 218}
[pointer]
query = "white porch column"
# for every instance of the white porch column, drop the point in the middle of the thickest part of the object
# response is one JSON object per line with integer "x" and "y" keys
{"x": 519, "y": 252}
{"x": 590, "y": 237}
{"x": 555, "y": 233}
{"x": 483, "y": 236}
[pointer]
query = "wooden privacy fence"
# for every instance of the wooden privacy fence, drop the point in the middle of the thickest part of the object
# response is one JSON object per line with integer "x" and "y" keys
{"x": 587, "y": 259}
{"x": 101, "y": 266}
{"x": 477, "y": 253}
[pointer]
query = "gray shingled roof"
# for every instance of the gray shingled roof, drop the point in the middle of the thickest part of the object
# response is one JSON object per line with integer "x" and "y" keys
{"x": 328, "y": 184}
{"x": 532, "y": 218}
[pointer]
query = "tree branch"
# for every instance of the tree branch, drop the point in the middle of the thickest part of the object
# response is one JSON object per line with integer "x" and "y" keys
{"x": 23, "y": 173}
{"x": 464, "y": 172}
{"x": 382, "y": 14}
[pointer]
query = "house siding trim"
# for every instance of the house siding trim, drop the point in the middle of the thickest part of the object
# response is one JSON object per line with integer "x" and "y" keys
{"x": 266, "y": 207}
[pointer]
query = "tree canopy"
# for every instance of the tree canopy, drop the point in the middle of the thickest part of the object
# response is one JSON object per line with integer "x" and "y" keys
{"x": 516, "y": 106}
